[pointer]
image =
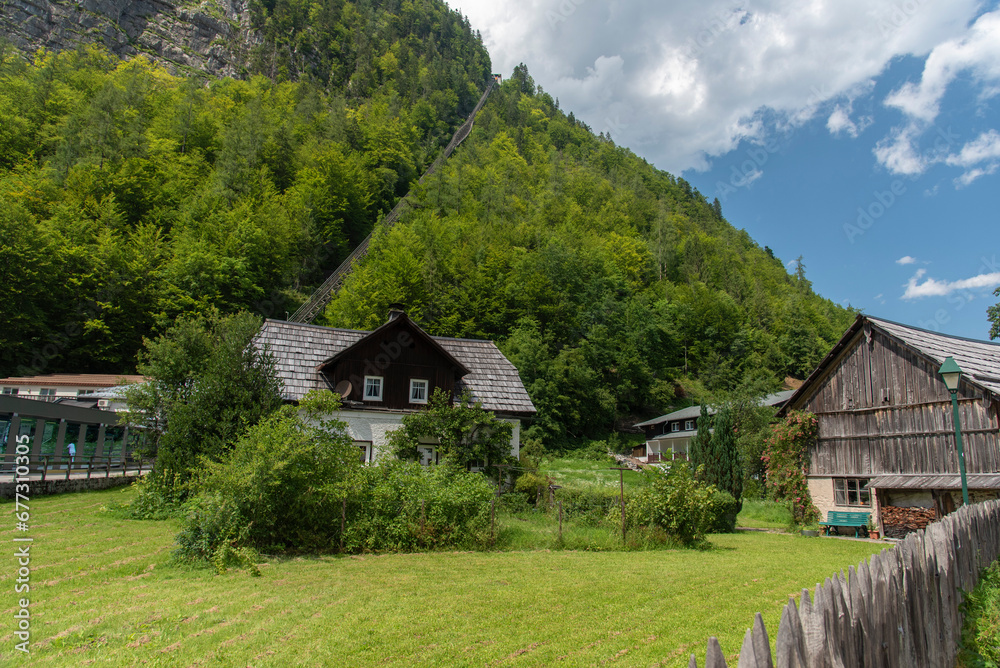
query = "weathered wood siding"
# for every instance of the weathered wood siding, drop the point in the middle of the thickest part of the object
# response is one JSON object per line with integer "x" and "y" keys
{"x": 884, "y": 409}
{"x": 397, "y": 355}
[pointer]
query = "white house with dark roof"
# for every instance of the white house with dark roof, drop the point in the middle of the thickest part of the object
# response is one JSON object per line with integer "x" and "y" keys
{"x": 668, "y": 437}
{"x": 390, "y": 372}
{"x": 886, "y": 432}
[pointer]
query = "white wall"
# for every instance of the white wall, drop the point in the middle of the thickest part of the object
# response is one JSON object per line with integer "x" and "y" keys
{"x": 375, "y": 427}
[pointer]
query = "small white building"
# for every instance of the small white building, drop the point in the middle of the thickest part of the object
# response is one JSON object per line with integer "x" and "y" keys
{"x": 668, "y": 437}
{"x": 68, "y": 387}
{"x": 390, "y": 372}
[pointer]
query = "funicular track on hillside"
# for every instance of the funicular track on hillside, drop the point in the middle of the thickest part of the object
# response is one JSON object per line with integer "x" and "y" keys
{"x": 325, "y": 292}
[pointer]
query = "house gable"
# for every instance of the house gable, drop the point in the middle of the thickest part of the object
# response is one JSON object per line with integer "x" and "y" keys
{"x": 397, "y": 354}
{"x": 883, "y": 408}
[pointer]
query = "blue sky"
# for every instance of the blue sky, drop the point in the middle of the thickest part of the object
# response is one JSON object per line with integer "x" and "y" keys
{"x": 862, "y": 135}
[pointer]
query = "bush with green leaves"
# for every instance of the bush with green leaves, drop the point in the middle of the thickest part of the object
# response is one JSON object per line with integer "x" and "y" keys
{"x": 673, "y": 501}
{"x": 723, "y": 509}
{"x": 981, "y": 628}
{"x": 590, "y": 504}
{"x": 280, "y": 489}
{"x": 464, "y": 432}
{"x": 401, "y": 506}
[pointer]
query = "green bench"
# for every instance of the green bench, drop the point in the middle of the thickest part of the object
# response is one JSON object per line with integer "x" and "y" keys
{"x": 844, "y": 518}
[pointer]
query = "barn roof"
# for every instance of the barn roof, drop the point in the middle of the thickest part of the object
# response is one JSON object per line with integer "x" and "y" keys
{"x": 299, "y": 350}
{"x": 979, "y": 360}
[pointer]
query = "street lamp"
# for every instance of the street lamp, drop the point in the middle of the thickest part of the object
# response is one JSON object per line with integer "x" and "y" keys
{"x": 951, "y": 373}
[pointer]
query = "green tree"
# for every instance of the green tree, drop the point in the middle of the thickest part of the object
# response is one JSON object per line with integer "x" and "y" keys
{"x": 993, "y": 314}
{"x": 700, "y": 447}
{"x": 723, "y": 468}
{"x": 208, "y": 383}
{"x": 464, "y": 432}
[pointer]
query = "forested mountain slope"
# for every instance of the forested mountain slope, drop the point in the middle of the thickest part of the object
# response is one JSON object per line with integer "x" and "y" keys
{"x": 129, "y": 195}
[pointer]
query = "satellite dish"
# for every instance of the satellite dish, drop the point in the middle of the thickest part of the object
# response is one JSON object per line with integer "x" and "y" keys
{"x": 343, "y": 388}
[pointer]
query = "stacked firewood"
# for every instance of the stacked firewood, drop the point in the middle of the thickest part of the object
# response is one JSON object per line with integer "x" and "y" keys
{"x": 897, "y": 522}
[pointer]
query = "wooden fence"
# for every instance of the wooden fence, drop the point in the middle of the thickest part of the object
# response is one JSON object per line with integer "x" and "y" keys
{"x": 901, "y": 608}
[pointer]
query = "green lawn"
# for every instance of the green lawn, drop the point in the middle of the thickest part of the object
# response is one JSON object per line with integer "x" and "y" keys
{"x": 104, "y": 593}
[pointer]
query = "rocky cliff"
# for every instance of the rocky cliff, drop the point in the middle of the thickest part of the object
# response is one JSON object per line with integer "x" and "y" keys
{"x": 212, "y": 36}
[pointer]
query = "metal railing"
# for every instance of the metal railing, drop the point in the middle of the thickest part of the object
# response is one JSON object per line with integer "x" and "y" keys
{"x": 52, "y": 467}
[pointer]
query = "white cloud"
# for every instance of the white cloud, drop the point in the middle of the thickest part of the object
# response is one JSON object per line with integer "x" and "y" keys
{"x": 899, "y": 152}
{"x": 973, "y": 174}
{"x": 688, "y": 80}
{"x": 906, "y": 259}
{"x": 985, "y": 148}
{"x": 931, "y": 287}
{"x": 975, "y": 53}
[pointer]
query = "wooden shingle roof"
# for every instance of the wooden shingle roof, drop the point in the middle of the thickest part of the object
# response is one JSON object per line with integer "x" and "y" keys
{"x": 979, "y": 360}
{"x": 299, "y": 349}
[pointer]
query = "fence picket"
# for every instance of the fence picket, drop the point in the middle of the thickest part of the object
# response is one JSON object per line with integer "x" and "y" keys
{"x": 761, "y": 643}
{"x": 898, "y": 608}
{"x": 714, "y": 658}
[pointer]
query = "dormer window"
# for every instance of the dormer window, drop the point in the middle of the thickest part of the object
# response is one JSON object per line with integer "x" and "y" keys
{"x": 418, "y": 391}
{"x": 675, "y": 426}
{"x": 373, "y": 388}
{"x": 689, "y": 425}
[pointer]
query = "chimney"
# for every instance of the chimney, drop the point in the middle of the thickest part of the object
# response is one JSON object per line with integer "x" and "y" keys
{"x": 395, "y": 310}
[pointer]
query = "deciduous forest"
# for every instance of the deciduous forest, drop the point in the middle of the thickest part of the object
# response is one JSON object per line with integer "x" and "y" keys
{"x": 130, "y": 196}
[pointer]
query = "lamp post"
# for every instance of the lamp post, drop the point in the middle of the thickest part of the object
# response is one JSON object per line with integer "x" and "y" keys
{"x": 951, "y": 373}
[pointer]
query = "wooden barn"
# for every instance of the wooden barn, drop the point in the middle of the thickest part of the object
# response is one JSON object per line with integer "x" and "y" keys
{"x": 886, "y": 438}
{"x": 387, "y": 373}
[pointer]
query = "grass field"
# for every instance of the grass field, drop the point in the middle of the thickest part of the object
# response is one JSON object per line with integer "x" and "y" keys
{"x": 103, "y": 593}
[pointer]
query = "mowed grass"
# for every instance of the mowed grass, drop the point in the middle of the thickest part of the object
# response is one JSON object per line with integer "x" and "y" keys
{"x": 103, "y": 593}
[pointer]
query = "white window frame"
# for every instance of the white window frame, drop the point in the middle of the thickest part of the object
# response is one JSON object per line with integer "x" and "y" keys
{"x": 427, "y": 387}
{"x": 47, "y": 393}
{"x": 10, "y": 391}
{"x": 366, "y": 448}
{"x": 675, "y": 426}
{"x": 381, "y": 388}
{"x": 689, "y": 425}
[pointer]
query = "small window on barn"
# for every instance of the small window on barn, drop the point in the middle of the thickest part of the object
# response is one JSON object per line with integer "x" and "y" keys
{"x": 373, "y": 388}
{"x": 688, "y": 425}
{"x": 675, "y": 426}
{"x": 418, "y": 391}
{"x": 851, "y": 492}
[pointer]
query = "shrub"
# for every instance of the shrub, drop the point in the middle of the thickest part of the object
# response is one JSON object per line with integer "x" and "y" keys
{"x": 673, "y": 501}
{"x": 981, "y": 630}
{"x": 723, "y": 509}
{"x": 533, "y": 486}
{"x": 785, "y": 459}
{"x": 280, "y": 489}
{"x": 401, "y": 506}
{"x": 589, "y": 504}
{"x": 153, "y": 500}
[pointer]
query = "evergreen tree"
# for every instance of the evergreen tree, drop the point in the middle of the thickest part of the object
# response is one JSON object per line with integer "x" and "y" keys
{"x": 699, "y": 450}
{"x": 722, "y": 465}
